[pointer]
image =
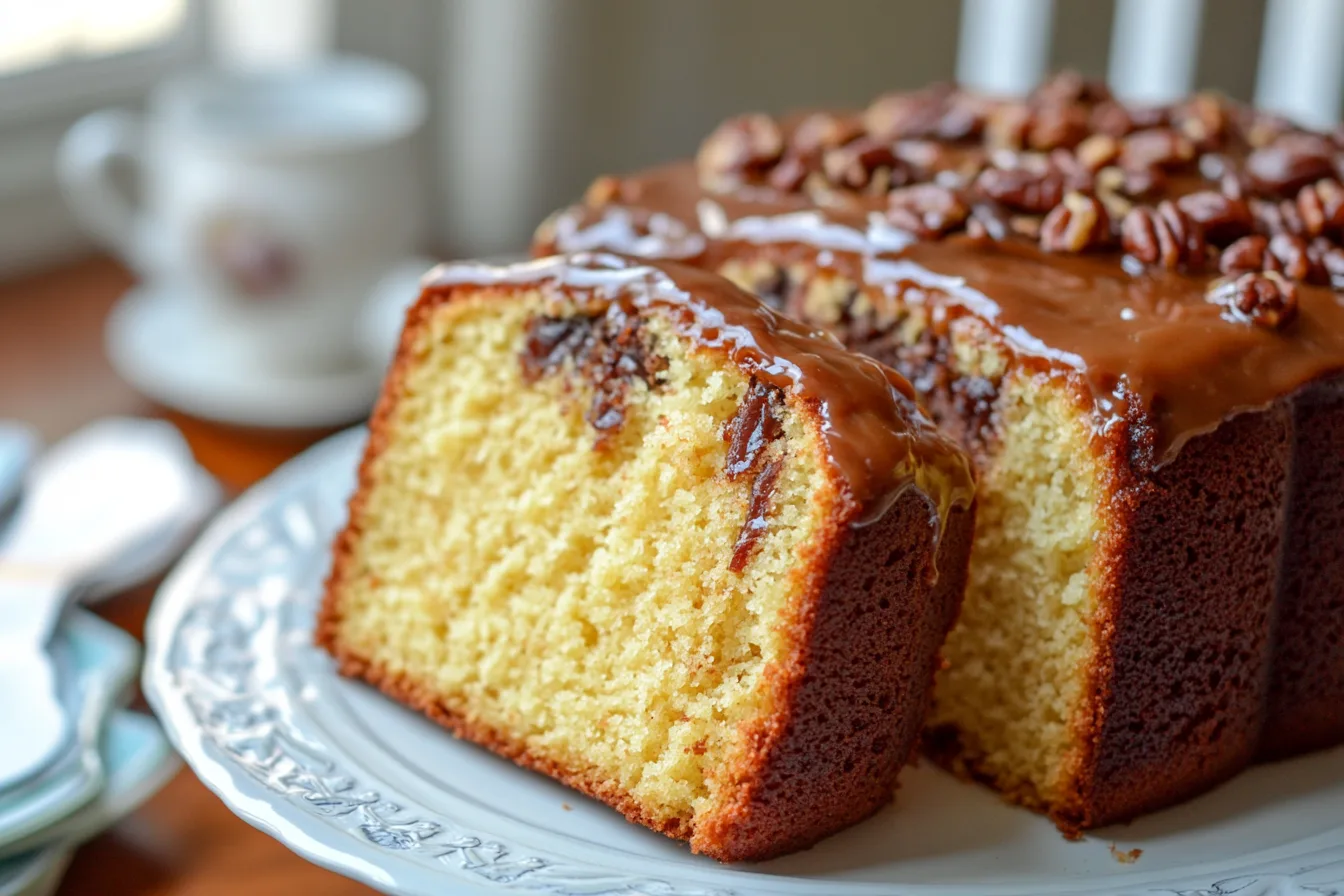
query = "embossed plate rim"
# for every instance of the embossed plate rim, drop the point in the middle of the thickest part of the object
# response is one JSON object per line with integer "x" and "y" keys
{"x": 277, "y": 778}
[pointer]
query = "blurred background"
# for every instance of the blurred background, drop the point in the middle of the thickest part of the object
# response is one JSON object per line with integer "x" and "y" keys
{"x": 529, "y": 99}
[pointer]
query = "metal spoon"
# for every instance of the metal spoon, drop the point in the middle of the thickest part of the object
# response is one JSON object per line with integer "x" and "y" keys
{"x": 95, "y": 496}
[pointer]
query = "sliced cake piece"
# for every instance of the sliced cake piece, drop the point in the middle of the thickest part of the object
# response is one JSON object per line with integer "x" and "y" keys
{"x": 625, "y": 525}
{"x": 1133, "y": 318}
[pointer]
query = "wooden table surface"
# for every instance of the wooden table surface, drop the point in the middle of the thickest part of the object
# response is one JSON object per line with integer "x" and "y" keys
{"x": 54, "y": 375}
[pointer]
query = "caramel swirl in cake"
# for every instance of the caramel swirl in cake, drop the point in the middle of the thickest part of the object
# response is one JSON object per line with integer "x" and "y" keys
{"x": 1099, "y": 239}
{"x": 609, "y": 350}
{"x": 749, "y": 433}
{"x": 877, "y": 440}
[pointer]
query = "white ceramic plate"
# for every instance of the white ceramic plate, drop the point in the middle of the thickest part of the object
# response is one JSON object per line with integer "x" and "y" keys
{"x": 358, "y": 784}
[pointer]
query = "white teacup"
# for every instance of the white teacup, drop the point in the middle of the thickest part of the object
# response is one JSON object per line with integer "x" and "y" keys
{"x": 273, "y": 201}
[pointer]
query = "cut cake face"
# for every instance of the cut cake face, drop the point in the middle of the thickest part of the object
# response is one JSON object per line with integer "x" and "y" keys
{"x": 626, "y": 526}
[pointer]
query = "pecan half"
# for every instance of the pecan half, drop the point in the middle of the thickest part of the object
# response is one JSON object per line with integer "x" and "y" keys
{"x": 1289, "y": 255}
{"x": 1223, "y": 219}
{"x": 1265, "y": 299}
{"x": 1272, "y": 218}
{"x": 926, "y": 210}
{"x": 1155, "y": 148}
{"x": 791, "y": 172}
{"x": 1291, "y": 162}
{"x": 1165, "y": 237}
{"x": 1056, "y": 127}
{"x": 821, "y": 131}
{"x": 1321, "y": 207}
{"x": 855, "y": 164}
{"x": 1329, "y": 258}
{"x": 1203, "y": 119}
{"x": 989, "y": 221}
{"x": 747, "y": 144}
{"x": 1246, "y": 254}
{"x": 1078, "y": 223}
{"x": 1023, "y": 189}
{"x": 1097, "y": 151}
{"x": 938, "y": 112}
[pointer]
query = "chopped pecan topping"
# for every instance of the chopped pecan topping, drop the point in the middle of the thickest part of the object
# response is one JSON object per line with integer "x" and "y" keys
{"x": 1223, "y": 219}
{"x": 1097, "y": 151}
{"x": 926, "y": 210}
{"x": 1134, "y": 183}
{"x": 609, "y": 351}
{"x": 1265, "y": 299}
{"x": 1007, "y": 126}
{"x": 790, "y": 173}
{"x": 1289, "y": 255}
{"x": 773, "y": 288}
{"x": 1291, "y": 162}
{"x": 937, "y": 112}
{"x": 1203, "y": 119}
{"x": 1112, "y": 119}
{"x": 855, "y": 164}
{"x": 1320, "y": 206}
{"x": 1078, "y": 223}
{"x": 1272, "y": 218}
{"x": 602, "y": 192}
{"x": 821, "y": 131}
{"x": 1165, "y": 237}
{"x": 1028, "y": 226}
{"x": 1077, "y": 176}
{"x": 989, "y": 221}
{"x": 1068, "y": 88}
{"x": 1263, "y": 128}
{"x": 1023, "y": 189}
{"x": 1246, "y": 254}
{"x": 1056, "y": 127}
{"x": 1155, "y": 148}
{"x": 747, "y": 144}
{"x": 1330, "y": 259}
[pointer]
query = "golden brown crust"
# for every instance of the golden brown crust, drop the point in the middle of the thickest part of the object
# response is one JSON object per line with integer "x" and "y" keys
{"x": 1218, "y": 610}
{"x": 845, "y": 712}
{"x": 409, "y": 693}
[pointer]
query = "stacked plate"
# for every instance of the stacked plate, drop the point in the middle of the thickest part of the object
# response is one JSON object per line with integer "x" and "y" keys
{"x": 102, "y": 511}
{"x": 113, "y": 760}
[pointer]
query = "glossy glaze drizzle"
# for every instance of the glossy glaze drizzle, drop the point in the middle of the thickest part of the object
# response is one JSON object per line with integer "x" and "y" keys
{"x": 876, "y": 438}
{"x": 1150, "y": 346}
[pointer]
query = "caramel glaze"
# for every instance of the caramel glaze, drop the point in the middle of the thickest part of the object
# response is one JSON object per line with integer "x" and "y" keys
{"x": 1148, "y": 345}
{"x": 876, "y": 439}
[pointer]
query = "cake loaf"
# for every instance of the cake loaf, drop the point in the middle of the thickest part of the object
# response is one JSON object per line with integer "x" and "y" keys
{"x": 1132, "y": 318}
{"x": 626, "y": 526}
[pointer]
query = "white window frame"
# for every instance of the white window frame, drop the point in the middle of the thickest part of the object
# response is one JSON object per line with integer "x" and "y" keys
{"x": 37, "y": 105}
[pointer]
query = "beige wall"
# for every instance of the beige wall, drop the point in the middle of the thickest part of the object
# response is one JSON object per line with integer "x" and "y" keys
{"x": 535, "y": 97}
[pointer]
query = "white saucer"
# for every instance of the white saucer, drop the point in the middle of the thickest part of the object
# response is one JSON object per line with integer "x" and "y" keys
{"x": 157, "y": 345}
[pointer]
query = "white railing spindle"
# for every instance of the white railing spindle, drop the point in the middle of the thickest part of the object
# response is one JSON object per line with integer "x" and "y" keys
{"x": 1004, "y": 45}
{"x": 1154, "y": 47}
{"x": 1301, "y": 71}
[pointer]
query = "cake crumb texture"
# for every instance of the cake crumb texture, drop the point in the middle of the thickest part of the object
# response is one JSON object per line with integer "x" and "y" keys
{"x": 1019, "y": 659}
{"x": 536, "y": 584}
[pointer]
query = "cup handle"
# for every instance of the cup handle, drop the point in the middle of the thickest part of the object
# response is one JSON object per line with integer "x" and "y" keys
{"x": 83, "y": 166}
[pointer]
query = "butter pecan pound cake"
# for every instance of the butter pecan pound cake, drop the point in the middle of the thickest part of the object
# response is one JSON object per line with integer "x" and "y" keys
{"x": 1132, "y": 318}
{"x": 624, "y": 525}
